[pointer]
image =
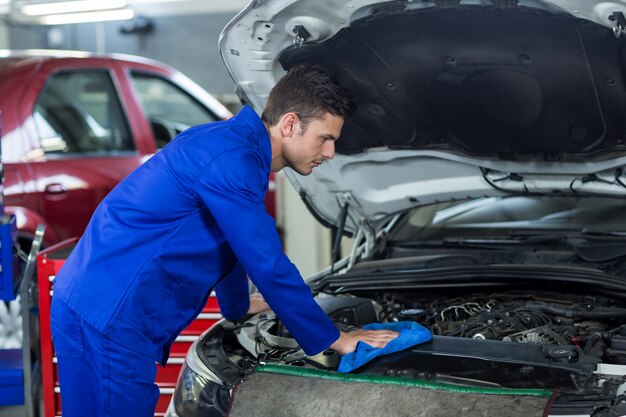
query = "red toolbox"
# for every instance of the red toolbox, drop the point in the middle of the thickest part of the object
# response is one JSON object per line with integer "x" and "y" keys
{"x": 49, "y": 261}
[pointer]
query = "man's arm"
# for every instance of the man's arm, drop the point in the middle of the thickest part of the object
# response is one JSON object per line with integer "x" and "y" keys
{"x": 257, "y": 304}
{"x": 232, "y": 294}
{"x": 236, "y": 302}
{"x": 232, "y": 187}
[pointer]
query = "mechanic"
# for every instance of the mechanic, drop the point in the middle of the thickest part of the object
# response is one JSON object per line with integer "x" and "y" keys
{"x": 192, "y": 219}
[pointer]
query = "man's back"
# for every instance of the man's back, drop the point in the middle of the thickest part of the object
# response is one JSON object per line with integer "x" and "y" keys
{"x": 153, "y": 249}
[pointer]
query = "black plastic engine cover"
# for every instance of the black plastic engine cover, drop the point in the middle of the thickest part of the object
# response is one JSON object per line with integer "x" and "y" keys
{"x": 508, "y": 364}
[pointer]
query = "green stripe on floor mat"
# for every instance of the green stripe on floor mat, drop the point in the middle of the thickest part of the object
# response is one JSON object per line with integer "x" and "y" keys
{"x": 389, "y": 380}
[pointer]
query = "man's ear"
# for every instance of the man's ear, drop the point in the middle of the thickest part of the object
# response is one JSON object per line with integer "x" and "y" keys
{"x": 289, "y": 124}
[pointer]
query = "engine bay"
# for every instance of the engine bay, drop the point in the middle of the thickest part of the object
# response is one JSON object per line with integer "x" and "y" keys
{"x": 575, "y": 344}
{"x": 552, "y": 319}
{"x": 581, "y": 325}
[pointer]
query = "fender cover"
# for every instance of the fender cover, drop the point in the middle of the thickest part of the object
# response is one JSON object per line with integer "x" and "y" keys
{"x": 275, "y": 390}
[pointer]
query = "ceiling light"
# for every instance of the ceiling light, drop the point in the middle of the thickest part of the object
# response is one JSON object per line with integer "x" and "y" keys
{"x": 71, "y": 7}
{"x": 155, "y": 1}
{"x": 67, "y": 18}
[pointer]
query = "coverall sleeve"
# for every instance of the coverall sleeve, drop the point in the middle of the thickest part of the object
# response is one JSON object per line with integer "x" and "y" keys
{"x": 233, "y": 186}
{"x": 233, "y": 294}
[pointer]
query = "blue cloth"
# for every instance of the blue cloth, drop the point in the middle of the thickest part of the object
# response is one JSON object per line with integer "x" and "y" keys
{"x": 190, "y": 219}
{"x": 411, "y": 334}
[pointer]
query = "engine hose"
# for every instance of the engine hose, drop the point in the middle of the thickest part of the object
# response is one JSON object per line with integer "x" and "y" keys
{"x": 578, "y": 313}
{"x": 593, "y": 340}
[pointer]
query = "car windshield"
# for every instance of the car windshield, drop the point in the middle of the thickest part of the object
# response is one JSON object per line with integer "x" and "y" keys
{"x": 502, "y": 217}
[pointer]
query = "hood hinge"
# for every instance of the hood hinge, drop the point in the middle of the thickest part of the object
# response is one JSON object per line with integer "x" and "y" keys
{"x": 365, "y": 237}
{"x": 363, "y": 243}
{"x": 341, "y": 225}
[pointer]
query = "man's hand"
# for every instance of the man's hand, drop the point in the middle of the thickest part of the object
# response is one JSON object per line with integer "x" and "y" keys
{"x": 257, "y": 304}
{"x": 376, "y": 338}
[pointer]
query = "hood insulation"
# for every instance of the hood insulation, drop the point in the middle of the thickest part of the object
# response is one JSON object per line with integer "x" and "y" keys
{"x": 484, "y": 80}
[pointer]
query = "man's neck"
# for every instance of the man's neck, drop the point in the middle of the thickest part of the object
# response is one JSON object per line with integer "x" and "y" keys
{"x": 276, "y": 144}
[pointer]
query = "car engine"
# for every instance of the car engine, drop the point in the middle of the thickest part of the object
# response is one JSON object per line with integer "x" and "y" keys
{"x": 576, "y": 344}
{"x": 515, "y": 318}
{"x": 587, "y": 325}
{"x": 572, "y": 344}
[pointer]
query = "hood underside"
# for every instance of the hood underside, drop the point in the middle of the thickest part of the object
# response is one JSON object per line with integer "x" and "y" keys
{"x": 479, "y": 79}
{"x": 531, "y": 88}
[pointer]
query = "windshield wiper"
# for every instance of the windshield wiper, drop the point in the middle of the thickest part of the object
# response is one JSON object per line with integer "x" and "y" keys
{"x": 483, "y": 243}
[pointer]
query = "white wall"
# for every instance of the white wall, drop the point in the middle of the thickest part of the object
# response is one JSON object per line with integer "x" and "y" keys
{"x": 4, "y": 35}
{"x": 307, "y": 243}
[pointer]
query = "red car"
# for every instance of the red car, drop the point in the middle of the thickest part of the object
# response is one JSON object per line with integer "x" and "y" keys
{"x": 74, "y": 124}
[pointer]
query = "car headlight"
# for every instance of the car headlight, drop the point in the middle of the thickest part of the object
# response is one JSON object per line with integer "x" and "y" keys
{"x": 199, "y": 392}
{"x": 197, "y": 396}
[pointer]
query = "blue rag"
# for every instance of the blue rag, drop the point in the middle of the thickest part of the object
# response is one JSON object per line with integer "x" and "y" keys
{"x": 411, "y": 334}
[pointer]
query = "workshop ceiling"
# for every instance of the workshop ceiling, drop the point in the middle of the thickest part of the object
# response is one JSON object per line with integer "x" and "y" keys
{"x": 50, "y": 12}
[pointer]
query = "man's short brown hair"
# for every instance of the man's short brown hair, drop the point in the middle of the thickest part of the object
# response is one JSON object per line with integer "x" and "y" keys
{"x": 310, "y": 92}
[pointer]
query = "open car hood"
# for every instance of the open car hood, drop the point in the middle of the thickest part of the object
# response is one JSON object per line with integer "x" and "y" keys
{"x": 456, "y": 99}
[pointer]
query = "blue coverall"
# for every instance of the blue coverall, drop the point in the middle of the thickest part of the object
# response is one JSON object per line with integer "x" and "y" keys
{"x": 189, "y": 220}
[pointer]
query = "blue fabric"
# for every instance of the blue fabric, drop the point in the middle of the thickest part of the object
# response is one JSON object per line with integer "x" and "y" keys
{"x": 95, "y": 375}
{"x": 411, "y": 334}
{"x": 189, "y": 220}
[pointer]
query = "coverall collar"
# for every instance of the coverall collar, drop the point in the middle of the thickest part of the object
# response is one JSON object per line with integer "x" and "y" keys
{"x": 252, "y": 119}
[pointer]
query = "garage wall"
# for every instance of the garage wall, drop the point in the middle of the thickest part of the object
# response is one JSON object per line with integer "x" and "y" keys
{"x": 307, "y": 243}
{"x": 188, "y": 43}
{"x": 4, "y": 36}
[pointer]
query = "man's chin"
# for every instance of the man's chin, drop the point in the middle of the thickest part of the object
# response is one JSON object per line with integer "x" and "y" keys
{"x": 303, "y": 171}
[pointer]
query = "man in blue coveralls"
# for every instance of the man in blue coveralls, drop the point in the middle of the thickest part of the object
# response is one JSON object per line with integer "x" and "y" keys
{"x": 190, "y": 220}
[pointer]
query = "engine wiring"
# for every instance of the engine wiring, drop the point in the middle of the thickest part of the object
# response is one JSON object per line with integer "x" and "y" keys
{"x": 582, "y": 179}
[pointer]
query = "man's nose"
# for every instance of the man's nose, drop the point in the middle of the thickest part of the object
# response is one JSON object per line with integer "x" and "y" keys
{"x": 328, "y": 151}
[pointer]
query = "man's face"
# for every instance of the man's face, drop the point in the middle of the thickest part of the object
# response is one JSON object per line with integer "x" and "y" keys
{"x": 311, "y": 146}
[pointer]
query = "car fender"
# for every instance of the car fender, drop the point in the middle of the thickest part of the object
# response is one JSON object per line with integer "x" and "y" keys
{"x": 27, "y": 221}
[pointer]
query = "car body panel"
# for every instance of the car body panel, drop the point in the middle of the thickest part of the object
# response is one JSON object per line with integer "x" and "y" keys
{"x": 62, "y": 190}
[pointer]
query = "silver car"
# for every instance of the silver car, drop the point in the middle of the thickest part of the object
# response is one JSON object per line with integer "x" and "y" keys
{"x": 482, "y": 178}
